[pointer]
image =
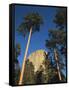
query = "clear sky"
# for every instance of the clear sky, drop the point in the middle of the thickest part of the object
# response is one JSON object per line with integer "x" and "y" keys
{"x": 38, "y": 38}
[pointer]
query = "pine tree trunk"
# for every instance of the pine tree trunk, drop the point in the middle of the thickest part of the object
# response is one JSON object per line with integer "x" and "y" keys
{"x": 57, "y": 63}
{"x": 23, "y": 64}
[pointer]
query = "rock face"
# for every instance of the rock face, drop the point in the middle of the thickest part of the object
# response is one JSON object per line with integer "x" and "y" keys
{"x": 37, "y": 59}
{"x": 35, "y": 68}
{"x": 38, "y": 69}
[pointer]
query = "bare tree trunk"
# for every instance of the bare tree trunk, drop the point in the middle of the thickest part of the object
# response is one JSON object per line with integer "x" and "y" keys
{"x": 23, "y": 64}
{"x": 58, "y": 69}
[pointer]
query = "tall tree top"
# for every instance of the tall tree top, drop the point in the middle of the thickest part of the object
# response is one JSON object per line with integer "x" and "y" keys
{"x": 61, "y": 18}
{"x": 33, "y": 20}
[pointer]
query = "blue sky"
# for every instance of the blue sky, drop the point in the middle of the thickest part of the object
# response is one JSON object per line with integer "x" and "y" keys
{"x": 38, "y": 38}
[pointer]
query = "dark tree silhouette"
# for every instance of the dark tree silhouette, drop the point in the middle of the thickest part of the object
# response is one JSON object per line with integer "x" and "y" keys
{"x": 61, "y": 18}
{"x": 29, "y": 77}
{"x": 16, "y": 64}
{"x": 57, "y": 39}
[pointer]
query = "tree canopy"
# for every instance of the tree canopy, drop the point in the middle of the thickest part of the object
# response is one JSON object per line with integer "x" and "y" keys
{"x": 17, "y": 50}
{"x": 57, "y": 38}
{"x": 61, "y": 18}
{"x": 30, "y": 20}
